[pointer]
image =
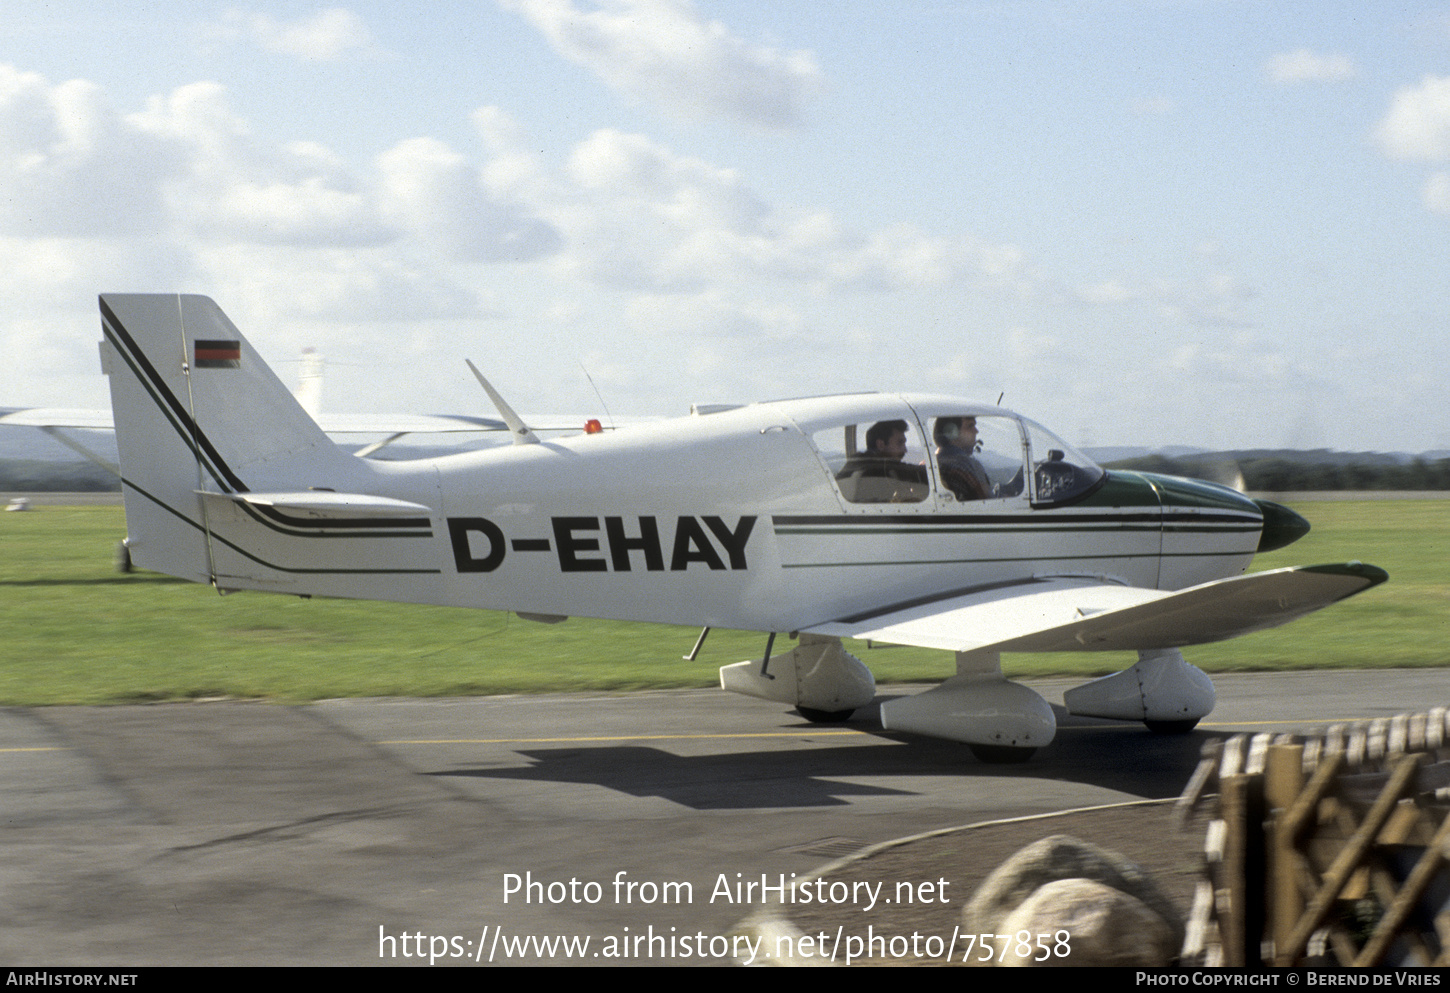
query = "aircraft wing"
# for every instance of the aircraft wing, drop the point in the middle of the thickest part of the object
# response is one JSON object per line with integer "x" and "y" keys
{"x": 1075, "y": 614}
{"x": 100, "y": 420}
{"x": 406, "y": 423}
{"x": 59, "y": 417}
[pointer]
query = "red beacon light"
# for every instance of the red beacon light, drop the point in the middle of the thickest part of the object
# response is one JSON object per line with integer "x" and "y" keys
{"x": 592, "y": 426}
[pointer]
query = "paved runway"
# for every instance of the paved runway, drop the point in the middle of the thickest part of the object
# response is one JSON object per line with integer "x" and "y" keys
{"x": 361, "y": 832}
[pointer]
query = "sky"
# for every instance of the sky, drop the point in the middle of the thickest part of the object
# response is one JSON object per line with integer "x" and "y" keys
{"x": 1220, "y": 223}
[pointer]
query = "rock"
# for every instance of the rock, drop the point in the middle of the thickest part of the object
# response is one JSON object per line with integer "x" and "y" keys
{"x": 1062, "y": 857}
{"x": 1079, "y": 922}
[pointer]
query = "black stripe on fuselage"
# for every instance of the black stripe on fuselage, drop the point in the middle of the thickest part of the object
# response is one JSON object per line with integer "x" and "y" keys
{"x": 1036, "y": 519}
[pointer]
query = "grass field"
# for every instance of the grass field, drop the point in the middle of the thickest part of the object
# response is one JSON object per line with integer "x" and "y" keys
{"x": 74, "y": 631}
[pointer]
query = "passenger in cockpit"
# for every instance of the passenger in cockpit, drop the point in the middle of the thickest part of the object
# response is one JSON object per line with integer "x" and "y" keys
{"x": 879, "y": 474}
{"x": 886, "y": 440}
{"x": 885, "y": 448}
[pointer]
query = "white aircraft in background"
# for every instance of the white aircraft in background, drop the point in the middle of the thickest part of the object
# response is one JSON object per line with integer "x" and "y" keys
{"x": 56, "y": 421}
{"x": 770, "y": 517}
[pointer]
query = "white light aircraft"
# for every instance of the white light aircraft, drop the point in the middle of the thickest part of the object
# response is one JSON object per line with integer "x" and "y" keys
{"x": 825, "y": 517}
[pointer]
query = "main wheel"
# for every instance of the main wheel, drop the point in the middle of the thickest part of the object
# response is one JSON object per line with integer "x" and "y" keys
{"x": 824, "y": 716}
{"x": 1001, "y": 754}
{"x": 1171, "y": 727}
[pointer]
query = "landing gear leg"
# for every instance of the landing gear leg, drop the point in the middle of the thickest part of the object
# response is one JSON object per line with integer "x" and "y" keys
{"x": 825, "y": 683}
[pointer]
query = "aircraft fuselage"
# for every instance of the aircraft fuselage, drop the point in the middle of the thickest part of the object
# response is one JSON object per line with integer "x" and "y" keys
{"x": 733, "y": 519}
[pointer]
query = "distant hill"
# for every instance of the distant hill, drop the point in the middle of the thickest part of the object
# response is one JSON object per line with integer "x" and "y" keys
{"x": 1103, "y": 454}
{"x": 1284, "y": 470}
{"x": 43, "y": 476}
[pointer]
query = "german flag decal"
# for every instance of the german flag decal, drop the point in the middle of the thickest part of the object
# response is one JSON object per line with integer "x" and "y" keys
{"x": 217, "y": 354}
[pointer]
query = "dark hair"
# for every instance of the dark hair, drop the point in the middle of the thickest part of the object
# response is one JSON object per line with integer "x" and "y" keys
{"x": 882, "y": 432}
{"x": 940, "y": 432}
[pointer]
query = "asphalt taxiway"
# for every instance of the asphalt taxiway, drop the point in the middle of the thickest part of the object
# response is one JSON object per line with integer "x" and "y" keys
{"x": 357, "y": 832}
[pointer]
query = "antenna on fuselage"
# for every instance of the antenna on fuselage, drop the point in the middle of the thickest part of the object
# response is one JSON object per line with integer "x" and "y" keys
{"x": 521, "y": 432}
{"x": 599, "y": 395}
{"x": 1000, "y": 396}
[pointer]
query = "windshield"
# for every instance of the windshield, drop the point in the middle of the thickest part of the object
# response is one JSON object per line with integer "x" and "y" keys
{"x": 1060, "y": 473}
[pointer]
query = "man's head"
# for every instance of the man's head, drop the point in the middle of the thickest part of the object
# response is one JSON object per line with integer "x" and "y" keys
{"x": 887, "y": 440}
{"x": 958, "y": 431}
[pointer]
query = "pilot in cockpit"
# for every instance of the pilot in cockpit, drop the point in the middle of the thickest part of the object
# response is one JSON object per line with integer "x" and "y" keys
{"x": 961, "y": 472}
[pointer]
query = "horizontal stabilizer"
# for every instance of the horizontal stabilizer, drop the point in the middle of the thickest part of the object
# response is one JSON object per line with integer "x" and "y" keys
{"x": 325, "y": 504}
{"x": 1065, "y": 614}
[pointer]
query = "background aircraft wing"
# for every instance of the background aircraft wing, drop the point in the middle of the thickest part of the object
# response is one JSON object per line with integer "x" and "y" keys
{"x": 100, "y": 420}
{"x": 59, "y": 417}
{"x": 407, "y": 423}
{"x": 1075, "y": 614}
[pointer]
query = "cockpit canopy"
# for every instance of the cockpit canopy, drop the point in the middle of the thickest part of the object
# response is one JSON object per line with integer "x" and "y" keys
{"x": 950, "y": 453}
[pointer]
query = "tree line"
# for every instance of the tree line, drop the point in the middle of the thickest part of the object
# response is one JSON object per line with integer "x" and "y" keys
{"x": 1278, "y": 473}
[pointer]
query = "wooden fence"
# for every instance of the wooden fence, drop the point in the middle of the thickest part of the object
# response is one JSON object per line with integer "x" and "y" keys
{"x": 1327, "y": 849}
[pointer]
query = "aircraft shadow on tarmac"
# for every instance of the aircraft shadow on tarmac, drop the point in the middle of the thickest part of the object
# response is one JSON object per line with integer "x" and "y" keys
{"x": 1124, "y": 758}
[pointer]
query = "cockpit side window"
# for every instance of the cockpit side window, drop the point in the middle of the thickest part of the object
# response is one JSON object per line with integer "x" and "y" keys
{"x": 876, "y": 461}
{"x": 978, "y": 458}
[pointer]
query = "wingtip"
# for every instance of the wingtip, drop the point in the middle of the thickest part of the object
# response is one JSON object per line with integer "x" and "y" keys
{"x": 1373, "y": 575}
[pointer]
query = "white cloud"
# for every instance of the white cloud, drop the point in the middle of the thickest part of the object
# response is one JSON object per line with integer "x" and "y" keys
{"x": 639, "y": 216}
{"x": 71, "y": 166}
{"x": 186, "y": 194}
{"x": 1417, "y": 125}
{"x": 1305, "y": 66}
{"x": 1241, "y": 357}
{"x": 1437, "y": 193}
{"x": 665, "y": 52}
{"x": 1109, "y": 292}
{"x": 708, "y": 347}
{"x": 434, "y": 193}
{"x": 235, "y": 187}
{"x": 326, "y": 36}
{"x": 271, "y": 287}
{"x": 48, "y": 288}
{"x": 183, "y": 195}
{"x": 1213, "y": 300}
{"x": 512, "y": 169}
{"x": 711, "y": 315}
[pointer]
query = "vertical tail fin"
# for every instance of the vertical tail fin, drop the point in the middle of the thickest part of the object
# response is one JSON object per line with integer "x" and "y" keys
{"x": 197, "y": 411}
